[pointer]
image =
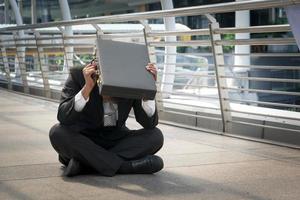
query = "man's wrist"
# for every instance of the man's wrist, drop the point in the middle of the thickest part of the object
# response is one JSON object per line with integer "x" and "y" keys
{"x": 86, "y": 90}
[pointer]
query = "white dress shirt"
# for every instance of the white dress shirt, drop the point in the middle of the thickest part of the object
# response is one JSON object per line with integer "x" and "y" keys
{"x": 111, "y": 109}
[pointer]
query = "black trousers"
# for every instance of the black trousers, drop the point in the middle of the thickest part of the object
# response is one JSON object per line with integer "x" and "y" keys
{"x": 96, "y": 149}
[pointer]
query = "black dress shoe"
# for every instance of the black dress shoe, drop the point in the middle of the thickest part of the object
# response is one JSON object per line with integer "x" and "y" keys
{"x": 147, "y": 165}
{"x": 73, "y": 168}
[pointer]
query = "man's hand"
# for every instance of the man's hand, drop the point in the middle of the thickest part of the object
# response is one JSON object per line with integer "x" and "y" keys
{"x": 152, "y": 69}
{"x": 87, "y": 71}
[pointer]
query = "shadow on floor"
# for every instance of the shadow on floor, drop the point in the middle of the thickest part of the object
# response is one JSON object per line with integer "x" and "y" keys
{"x": 164, "y": 184}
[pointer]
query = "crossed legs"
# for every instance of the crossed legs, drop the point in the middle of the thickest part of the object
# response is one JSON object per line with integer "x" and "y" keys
{"x": 105, "y": 160}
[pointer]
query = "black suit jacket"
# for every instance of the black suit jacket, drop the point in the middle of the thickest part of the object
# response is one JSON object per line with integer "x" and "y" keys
{"x": 91, "y": 117}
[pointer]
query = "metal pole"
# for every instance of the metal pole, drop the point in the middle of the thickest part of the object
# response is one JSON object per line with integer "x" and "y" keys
{"x": 20, "y": 50}
{"x": 242, "y": 20}
{"x": 218, "y": 56}
{"x": 33, "y": 12}
{"x": 6, "y": 11}
{"x": 21, "y": 62}
{"x": 169, "y": 26}
{"x": 19, "y": 22}
{"x": 6, "y": 67}
{"x": 293, "y": 17}
{"x": 44, "y": 69}
{"x": 69, "y": 51}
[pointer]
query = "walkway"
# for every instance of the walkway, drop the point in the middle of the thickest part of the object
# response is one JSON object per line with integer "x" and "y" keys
{"x": 197, "y": 165}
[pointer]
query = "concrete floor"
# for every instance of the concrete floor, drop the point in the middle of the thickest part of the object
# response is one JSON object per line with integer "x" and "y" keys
{"x": 197, "y": 165}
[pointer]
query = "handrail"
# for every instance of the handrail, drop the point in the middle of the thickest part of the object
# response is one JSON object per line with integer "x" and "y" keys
{"x": 252, "y": 29}
{"x": 188, "y": 11}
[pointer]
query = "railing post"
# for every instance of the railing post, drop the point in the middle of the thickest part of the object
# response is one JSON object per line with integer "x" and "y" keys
{"x": 152, "y": 56}
{"x": 6, "y": 66}
{"x": 43, "y": 67}
{"x": 218, "y": 56}
{"x": 21, "y": 61}
{"x": 98, "y": 30}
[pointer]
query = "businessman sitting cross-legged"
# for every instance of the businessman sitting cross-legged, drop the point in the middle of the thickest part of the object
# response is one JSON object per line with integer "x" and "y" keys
{"x": 92, "y": 134}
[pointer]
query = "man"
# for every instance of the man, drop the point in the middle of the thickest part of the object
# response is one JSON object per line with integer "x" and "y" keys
{"x": 92, "y": 133}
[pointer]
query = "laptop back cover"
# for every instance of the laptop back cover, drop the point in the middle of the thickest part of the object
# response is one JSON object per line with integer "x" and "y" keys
{"x": 123, "y": 71}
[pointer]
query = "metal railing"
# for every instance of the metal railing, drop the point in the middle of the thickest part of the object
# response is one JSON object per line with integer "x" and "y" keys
{"x": 207, "y": 93}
